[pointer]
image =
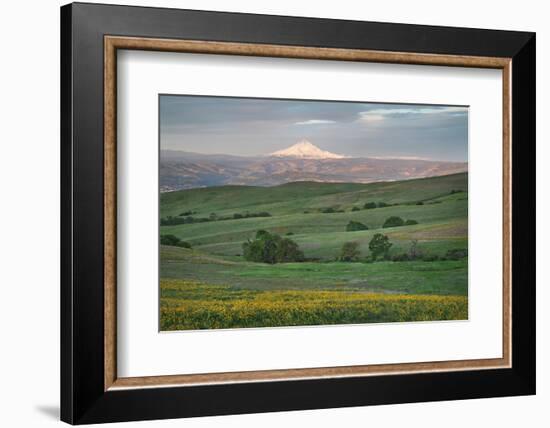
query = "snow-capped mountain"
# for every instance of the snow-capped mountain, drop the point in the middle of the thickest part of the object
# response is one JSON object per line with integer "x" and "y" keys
{"x": 305, "y": 150}
{"x": 184, "y": 170}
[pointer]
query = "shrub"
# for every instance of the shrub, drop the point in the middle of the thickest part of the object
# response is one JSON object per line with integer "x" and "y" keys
{"x": 393, "y": 221}
{"x": 382, "y": 205}
{"x": 289, "y": 233}
{"x": 328, "y": 210}
{"x": 456, "y": 254}
{"x": 238, "y": 216}
{"x": 410, "y": 222}
{"x": 353, "y": 226}
{"x": 356, "y": 209}
{"x": 369, "y": 205}
{"x": 420, "y": 203}
{"x": 170, "y": 220}
{"x": 350, "y": 252}
{"x": 379, "y": 244}
{"x": 173, "y": 241}
{"x": 169, "y": 240}
{"x": 403, "y": 257}
{"x": 271, "y": 248}
{"x": 430, "y": 258}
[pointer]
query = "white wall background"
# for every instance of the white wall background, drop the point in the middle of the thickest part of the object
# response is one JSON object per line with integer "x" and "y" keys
{"x": 29, "y": 226}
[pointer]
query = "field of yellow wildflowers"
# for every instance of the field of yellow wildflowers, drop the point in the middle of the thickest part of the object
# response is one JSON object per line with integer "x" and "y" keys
{"x": 191, "y": 305}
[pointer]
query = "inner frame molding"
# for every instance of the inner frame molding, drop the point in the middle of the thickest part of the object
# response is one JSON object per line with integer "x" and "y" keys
{"x": 113, "y": 43}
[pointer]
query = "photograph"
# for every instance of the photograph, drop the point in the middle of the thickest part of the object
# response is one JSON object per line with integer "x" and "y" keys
{"x": 278, "y": 212}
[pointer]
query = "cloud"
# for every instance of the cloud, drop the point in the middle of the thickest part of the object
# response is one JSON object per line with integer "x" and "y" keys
{"x": 369, "y": 117}
{"x": 315, "y": 122}
{"x": 377, "y": 115}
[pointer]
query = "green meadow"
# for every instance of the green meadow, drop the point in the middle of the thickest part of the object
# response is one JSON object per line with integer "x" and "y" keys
{"x": 211, "y": 284}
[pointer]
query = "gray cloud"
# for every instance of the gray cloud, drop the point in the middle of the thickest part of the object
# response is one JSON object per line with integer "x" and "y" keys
{"x": 315, "y": 122}
{"x": 251, "y": 126}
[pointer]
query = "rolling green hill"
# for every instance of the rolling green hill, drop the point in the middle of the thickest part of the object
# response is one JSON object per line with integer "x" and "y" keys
{"x": 213, "y": 286}
{"x": 297, "y": 197}
{"x": 442, "y": 217}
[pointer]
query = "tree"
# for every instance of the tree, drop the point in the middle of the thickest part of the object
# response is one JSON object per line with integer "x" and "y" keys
{"x": 261, "y": 233}
{"x": 393, "y": 221}
{"x": 379, "y": 245}
{"x": 353, "y": 226}
{"x": 253, "y": 251}
{"x": 288, "y": 251}
{"x": 414, "y": 251}
{"x": 350, "y": 252}
{"x": 369, "y": 205}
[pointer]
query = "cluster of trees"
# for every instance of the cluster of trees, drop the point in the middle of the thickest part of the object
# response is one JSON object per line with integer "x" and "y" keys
{"x": 330, "y": 210}
{"x": 416, "y": 253}
{"x": 246, "y": 215}
{"x": 366, "y": 206}
{"x": 395, "y": 221}
{"x": 379, "y": 245}
{"x": 173, "y": 241}
{"x": 371, "y": 205}
{"x": 172, "y": 221}
{"x": 392, "y": 221}
{"x": 271, "y": 248}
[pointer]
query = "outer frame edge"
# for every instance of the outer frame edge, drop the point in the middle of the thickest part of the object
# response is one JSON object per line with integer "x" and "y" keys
{"x": 66, "y": 306}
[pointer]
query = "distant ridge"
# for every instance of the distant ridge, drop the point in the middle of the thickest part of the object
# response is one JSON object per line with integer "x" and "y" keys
{"x": 301, "y": 162}
{"x": 306, "y": 150}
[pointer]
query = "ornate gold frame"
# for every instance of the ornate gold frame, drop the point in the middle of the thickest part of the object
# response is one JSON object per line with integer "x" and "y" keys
{"x": 113, "y": 43}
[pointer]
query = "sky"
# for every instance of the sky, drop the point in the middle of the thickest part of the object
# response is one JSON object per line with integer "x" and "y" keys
{"x": 255, "y": 126}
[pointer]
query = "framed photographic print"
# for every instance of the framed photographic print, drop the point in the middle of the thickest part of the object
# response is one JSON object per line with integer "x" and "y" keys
{"x": 266, "y": 213}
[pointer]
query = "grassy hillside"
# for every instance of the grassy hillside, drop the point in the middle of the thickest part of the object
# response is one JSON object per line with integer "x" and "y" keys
{"x": 196, "y": 282}
{"x": 442, "y": 218}
{"x": 295, "y": 198}
{"x": 442, "y": 277}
